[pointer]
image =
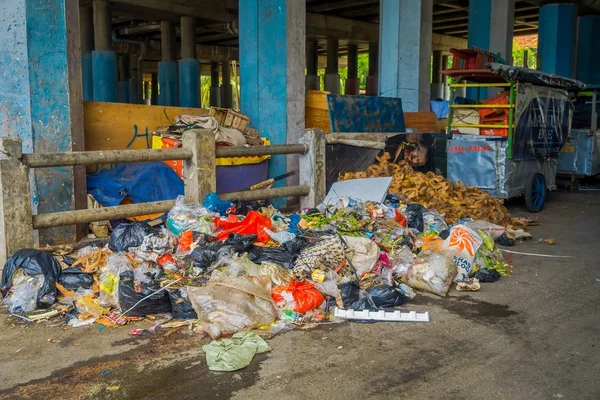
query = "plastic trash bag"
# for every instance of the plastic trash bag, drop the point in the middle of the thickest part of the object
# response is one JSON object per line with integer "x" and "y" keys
{"x": 231, "y": 354}
{"x": 33, "y": 262}
{"x": 414, "y": 216}
{"x": 280, "y": 237}
{"x": 462, "y": 245}
{"x": 485, "y": 275}
{"x": 229, "y": 306}
{"x": 364, "y": 302}
{"x": 495, "y": 231}
{"x": 130, "y": 292}
{"x": 190, "y": 217}
{"x": 300, "y": 297}
{"x": 350, "y": 293}
{"x": 24, "y": 292}
{"x": 181, "y": 307}
{"x": 129, "y": 234}
{"x": 433, "y": 221}
{"x": 206, "y": 254}
{"x": 74, "y": 278}
{"x": 253, "y": 224}
{"x": 213, "y": 203}
{"x": 365, "y": 253}
{"x": 234, "y": 266}
{"x": 385, "y": 296}
{"x": 116, "y": 264}
{"x": 433, "y": 274}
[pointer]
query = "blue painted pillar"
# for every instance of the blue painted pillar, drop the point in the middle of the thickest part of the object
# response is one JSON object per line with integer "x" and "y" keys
{"x": 168, "y": 71}
{"x": 272, "y": 51}
{"x": 588, "y": 49}
{"x": 189, "y": 68}
{"x": 490, "y": 26}
{"x": 41, "y": 99}
{"x": 405, "y": 52}
{"x": 86, "y": 24}
{"x": 104, "y": 59}
{"x": 556, "y": 39}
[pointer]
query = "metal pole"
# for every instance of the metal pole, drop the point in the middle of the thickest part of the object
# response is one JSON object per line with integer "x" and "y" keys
{"x": 261, "y": 150}
{"x": 262, "y": 194}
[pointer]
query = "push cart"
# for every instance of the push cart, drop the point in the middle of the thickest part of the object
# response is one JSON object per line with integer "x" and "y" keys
{"x": 509, "y": 145}
{"x": 580, "y": 157}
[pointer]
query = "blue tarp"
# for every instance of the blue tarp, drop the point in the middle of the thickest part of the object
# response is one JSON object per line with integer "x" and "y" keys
{"x": 440, "y": 108}
{"x": 143, "y": 182}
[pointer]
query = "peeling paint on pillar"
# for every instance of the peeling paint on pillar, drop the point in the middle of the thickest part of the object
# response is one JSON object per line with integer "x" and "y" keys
{"x": 50, "y": 108}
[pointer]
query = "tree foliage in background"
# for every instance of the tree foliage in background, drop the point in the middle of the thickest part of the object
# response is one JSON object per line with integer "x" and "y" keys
{"x": 363, "y": 72}
{"x": 518, "y": 54}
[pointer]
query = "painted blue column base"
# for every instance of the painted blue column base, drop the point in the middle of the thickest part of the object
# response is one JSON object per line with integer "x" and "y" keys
{"x": 588, "y": 49}
{"x": 87, "y": 77}
{"x": 168, "y": 83}
{"x": 124, "y": 92}
{"x": 133, "y": 93}
{"x": 556, "y": 44}
{"x": 189, "y": 83}
{"x": 104, "y": 65}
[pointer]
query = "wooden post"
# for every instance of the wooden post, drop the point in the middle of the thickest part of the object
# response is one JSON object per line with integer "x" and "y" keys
{"x": 312, "y": 168}
{"x": 16, "y": 228}
{"x": 200, "y": 175}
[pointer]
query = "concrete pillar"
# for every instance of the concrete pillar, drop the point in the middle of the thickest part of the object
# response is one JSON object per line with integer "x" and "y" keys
{"x": 123, "y": 78}
{"x": 189, "y": 68}
{"x": 154, "y": 90}
{"x": 86, "y": 23}
{"x": 588, "y": 49}
{"x": 41, "y": 100}
{"x": 372, "y": 80}
{"x": 332, "y": 77}
{"x": 226, "y": 89}
{"x": 352, "y": 83}
{"x": 134, "y": 79}
{"x": 312, "y": 80}
{"x": 405, "y": 52}
{"x": 490, "y": 25}
{"x": 437, "y": 87}
{"x": 215, "y": 90}
{"x": 104, "y": 59}
{"x": 556, "y": 39}
{"x": 168, "y": 71}
{"x": 272, "y": 51}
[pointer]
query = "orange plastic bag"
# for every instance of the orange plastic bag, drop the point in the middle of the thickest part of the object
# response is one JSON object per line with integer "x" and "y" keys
{"x": 253, "y": 224}
{"x": 184, "y": 244}
{"x": 303, "y": 293}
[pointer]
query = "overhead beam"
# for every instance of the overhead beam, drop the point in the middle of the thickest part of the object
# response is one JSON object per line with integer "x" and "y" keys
{"x": 340, "y": 4}
{"x": 341, "y": 28}
{"x": 153, "y": 50}
{"x": 172, "y": 9}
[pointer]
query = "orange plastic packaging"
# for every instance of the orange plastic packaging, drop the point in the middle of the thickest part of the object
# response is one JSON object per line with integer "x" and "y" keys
{"x": 304, "y": 294}
{"x": 253, "y": 224}
{"x": 185, "y": 241}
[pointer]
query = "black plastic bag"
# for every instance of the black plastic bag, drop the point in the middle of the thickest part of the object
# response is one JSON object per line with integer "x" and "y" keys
{"x": 349, "y": 292}
{"x": 129, "y": 234}
{"x": 486, "y": 275}
{"x": 128, "y": 296}
{"x": 240, "y": 243}
{"x": 296, "y": 245}
{"x": 33, "y": 262}
{"x": 181, "y": 308}
{"x": 504, "y": 240}
{"x": 74, "y": 278}
{"x": 385, "y": 296}
{"x": 414, "y": 216}
{"x": 284, "y": 256}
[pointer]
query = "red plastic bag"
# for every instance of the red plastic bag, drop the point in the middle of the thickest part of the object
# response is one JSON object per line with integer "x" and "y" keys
{"x": 184, "y": 245}
{"x": 400, "y": 218}
{"x": 166, "y": 259}
{"x": 305, "y": 296}
{"x": 253, "y": 224}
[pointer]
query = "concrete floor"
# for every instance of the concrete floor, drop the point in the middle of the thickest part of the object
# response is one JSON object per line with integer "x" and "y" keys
{"x": 532, "y": 336}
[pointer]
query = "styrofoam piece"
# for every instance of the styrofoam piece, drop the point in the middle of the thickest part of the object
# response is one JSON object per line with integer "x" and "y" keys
{"x": 381, "y": 315}
{"x": 367, "y": 189}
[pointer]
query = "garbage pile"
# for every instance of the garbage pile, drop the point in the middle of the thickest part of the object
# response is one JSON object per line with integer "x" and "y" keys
{"x": 435, "y": 192}
{"x": 246, "y": 271}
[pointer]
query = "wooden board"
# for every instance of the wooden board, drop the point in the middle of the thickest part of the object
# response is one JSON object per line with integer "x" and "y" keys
{"x": 421, "y": 121}
{"x": 119, "y": 126}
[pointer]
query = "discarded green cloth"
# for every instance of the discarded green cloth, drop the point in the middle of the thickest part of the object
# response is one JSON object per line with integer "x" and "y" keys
{"x": 231, "y": 354}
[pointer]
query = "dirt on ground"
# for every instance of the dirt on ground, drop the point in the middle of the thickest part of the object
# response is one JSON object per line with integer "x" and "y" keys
{"x": 531, "y": 336}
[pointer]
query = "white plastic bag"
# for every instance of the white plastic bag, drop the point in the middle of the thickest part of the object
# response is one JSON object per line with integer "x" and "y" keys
{"x": 24, "y": 292}
{"x": 109, "y": 279}
{"x": 190, "y": 217}
{"x": 365, "y": 253}
{"x": 462, "y": 245}
{"x": 495, "y": 231}
{"x": 433, "y": 274}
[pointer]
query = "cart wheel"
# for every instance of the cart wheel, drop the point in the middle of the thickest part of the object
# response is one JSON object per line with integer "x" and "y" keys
{"x": 535, "y": 192}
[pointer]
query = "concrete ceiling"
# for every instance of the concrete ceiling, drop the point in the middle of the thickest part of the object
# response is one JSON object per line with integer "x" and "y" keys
{"x": 352, "y": 21}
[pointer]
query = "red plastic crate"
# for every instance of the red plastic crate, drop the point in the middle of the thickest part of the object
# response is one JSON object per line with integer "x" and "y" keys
{"x": 473, "y": 58}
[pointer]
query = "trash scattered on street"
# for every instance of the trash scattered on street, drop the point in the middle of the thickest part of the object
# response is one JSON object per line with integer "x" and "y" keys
{"x": 238, "y": 272}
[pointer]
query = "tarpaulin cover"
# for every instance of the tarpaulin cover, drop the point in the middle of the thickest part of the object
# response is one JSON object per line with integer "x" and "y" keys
{"x": 542, "y": 122}
{"x": 512, "y": 73}
{"x": 142, "y": 182}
